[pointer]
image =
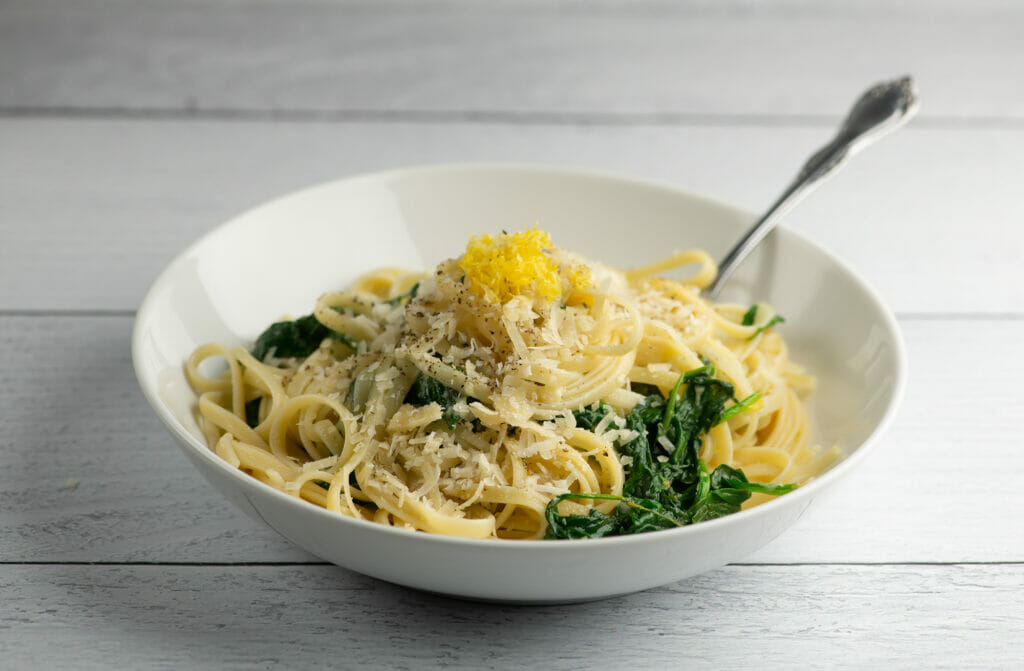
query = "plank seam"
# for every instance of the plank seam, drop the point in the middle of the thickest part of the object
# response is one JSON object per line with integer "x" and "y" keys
{"x": 65, "y": 313}
{"x": 481, "y": 116}
{"x": 315, "y": 563}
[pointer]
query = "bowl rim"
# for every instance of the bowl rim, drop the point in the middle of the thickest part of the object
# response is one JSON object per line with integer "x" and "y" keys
{"x": 803, "y": 493}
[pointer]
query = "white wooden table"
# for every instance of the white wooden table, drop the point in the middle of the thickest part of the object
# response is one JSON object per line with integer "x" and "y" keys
{"x": 128, "y": 128}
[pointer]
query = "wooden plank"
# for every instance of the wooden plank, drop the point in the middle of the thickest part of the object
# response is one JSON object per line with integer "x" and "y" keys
{"x": 769, "y": 617}
{"x": 88, "y": 472}
{"x": 928, "y": 493}
{"x": 449, "y": 58}
{"x": 93, "y": 209}
{"x": 925, "y": 494}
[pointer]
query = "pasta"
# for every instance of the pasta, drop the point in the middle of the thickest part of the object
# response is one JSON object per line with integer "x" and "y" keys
{"x": 450, "y": 402}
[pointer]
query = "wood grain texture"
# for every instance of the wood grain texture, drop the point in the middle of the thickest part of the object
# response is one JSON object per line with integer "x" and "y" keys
{"x": 130, "y": 127}
{"x": 654, "y": 59}
{"x": 930, "y": 617}
{"x": 92, "y": 209}
{"x": 72, "y": 410}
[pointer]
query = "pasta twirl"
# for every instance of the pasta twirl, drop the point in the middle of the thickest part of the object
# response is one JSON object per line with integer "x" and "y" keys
{"x": 448, "y": 402}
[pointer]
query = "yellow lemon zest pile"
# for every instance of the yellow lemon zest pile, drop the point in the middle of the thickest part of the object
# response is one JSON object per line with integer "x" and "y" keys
{"x": 515, "y": 264}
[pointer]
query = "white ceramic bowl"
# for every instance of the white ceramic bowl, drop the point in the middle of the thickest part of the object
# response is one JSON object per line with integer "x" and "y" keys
{"x": 277, "y": 258}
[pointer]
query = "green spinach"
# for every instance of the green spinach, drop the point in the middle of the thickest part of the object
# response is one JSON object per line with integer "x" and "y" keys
{"x": 750, "y": 315}
{"x": 426, "y": 389}
{"x": 664, "y": 493}
{"x": 252, "y": 412}
{"x": 295, "y": 338}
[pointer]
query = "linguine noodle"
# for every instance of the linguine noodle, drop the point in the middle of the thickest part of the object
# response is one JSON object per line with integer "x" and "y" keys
{"x": 519, "y": 334}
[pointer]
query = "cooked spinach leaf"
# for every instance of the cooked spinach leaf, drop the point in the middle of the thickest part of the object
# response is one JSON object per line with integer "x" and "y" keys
{"x": 295, "y": 338}
{"x": 629, "y": 517}
{"x": 737, "y": 408}
{"x": 672, "y": 491}
{"x": 594, "y": 524}
{"x": 252, "y": 412}
{"x": 589, "y": 418}
{"x": 750, "y": 315}
{"x": 776, "y": 319}
{"x": 427, "y": 390}
{"x": 726, "y": 477}
{"x": 644, "y": 389}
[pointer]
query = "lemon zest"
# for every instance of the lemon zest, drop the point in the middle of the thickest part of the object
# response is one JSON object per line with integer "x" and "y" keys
{"x": 516, "y": 264}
